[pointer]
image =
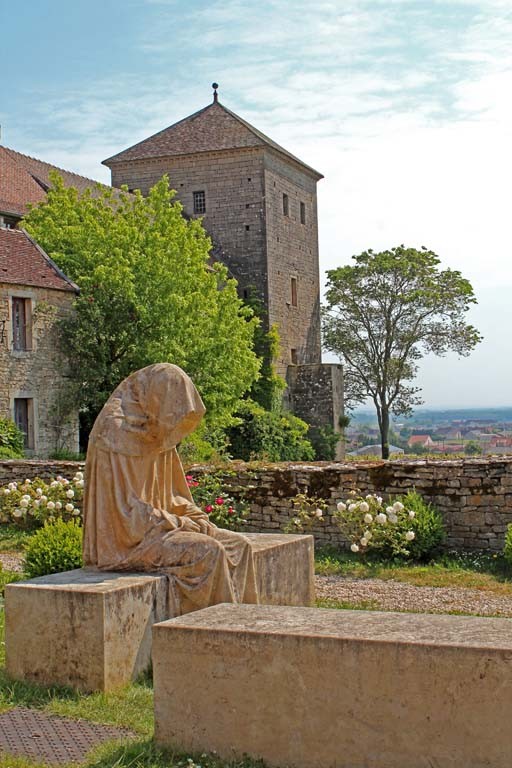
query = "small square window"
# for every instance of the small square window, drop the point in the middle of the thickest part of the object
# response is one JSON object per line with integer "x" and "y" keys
{"x": 199, "y": 201}
{"x": 21, "y": 324}
{"x": 294, "y": 291}
{"x": 303, "y": 213}
{"x": 23, "y": 417}
{"x": 286, "y": 205}
{"x": 293, "y": 356}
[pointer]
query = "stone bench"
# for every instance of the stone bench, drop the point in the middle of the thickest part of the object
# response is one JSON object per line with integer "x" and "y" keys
{"x": 315, "y": 688}
{"x": 92, "y": 629}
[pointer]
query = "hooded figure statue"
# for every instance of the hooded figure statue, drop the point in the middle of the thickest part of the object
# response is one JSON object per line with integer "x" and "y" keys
{"x": 139, "y": 514}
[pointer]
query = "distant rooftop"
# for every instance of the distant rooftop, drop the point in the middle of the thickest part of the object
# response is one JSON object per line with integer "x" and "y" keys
{"x": 213, "y": 128}
{"x": 23, "y": 262}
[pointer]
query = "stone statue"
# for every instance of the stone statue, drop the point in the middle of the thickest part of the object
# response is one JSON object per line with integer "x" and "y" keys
{"x": 139, "y": 514}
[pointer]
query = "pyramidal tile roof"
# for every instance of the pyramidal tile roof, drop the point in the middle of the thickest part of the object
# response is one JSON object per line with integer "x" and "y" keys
{"x": 23, "y": 262}
{"x": 25, "y": 180}
{"x": 212, "y": 129}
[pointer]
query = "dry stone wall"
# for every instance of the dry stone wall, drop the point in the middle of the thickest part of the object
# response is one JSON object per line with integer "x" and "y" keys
{"x": 473, "y": 495}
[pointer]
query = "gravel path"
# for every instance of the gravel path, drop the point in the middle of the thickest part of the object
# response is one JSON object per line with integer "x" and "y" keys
{"x": 397, "y": 596}
{"x": 11, "y": 561}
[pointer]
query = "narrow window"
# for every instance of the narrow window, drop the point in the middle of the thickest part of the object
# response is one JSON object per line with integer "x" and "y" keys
{"x": 294, "y": 291}
{"x": 293, "y": 356}
{"x": 199, "y": 201}
{"x": 303, "y": 213}
{"x": 21, "y": 336}
{"x": 23, "y": 417}
{"x": 286, "y": 205}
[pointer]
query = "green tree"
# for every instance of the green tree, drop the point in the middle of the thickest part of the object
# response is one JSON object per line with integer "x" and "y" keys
{"x": 472, "y": 448}
{"x": 148, "y": 293}
{"x": 383, "y": 314}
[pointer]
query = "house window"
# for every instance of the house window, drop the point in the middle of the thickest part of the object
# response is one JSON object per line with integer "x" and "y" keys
{"x": 286, "y": 205}
{"x": 294, "y": 291}
{"x": 199, "y": 201}
{"x": 23, "y": 417}
{"x": 21, "y": 324}
{"x": 293, "y": 356}
{"x": 303, "y": 213}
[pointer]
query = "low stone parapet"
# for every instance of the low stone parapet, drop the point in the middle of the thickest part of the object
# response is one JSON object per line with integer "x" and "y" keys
{"x": 312, "y": 688}
{"x": 91, "y": 629}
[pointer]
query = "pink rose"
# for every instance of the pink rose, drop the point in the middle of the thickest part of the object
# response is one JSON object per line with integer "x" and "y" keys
{"x": 208, "y": 508}
{"x": 219, "y": 501}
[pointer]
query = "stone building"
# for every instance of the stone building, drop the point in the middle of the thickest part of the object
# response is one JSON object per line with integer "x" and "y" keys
{"x": 34, "y": 294}
{"x": 259, "y": 204}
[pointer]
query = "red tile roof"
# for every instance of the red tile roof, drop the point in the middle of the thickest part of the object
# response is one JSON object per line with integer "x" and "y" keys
{"x": 24, "y": 180}
{"x": 211, "y": 129}
{"x": 23, "y": 262}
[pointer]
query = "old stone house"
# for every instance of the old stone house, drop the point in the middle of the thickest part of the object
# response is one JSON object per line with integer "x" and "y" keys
{"x": 34, "y": 294}
{"x": 259, "y": 203}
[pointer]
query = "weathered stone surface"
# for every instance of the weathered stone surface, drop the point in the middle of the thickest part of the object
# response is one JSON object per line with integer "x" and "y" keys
{"x": 92, "y": 629}
{"x": 313, "y": 688}
{"x": 84, "y": 628}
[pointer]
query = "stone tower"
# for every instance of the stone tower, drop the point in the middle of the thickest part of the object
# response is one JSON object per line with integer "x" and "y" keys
{"x": 259, "y": 204}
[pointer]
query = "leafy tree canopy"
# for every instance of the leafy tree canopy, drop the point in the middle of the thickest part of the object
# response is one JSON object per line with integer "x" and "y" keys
{"x": 147, "y": 294}
{"x": 383, "y": 314}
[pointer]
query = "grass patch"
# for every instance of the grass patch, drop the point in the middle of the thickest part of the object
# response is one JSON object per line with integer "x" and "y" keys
{"x": 481, "y": 571}
{"x": 349, "y": 605}
{"x": 12, "y": 538}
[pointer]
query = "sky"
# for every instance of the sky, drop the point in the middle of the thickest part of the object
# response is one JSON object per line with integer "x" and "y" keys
{"x": 404, "y": 105}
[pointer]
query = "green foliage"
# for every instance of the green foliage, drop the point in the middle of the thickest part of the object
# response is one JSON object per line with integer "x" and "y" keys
{"x": 308, "y": 511}
{"x": 324, "y": 441}
{"x": 472, "y": 448}
{"x": 507, "y": 549}
{"x": 383, "y": 314}
{"x": 55, "y": 548}
{"x": 223, "y": 509}
{"x": 8, "y": 577}
{"x": 63, "y": 454}
{"x": 31, "y": 503}
{"x": 148, "y": 294}
{"x": 12, "y": 440}
{"x": 427, "y": 525}
{"x": 269, "y": 435}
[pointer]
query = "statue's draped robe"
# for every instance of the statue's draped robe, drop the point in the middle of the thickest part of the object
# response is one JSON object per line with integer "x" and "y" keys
{"x": 137, "y": 503}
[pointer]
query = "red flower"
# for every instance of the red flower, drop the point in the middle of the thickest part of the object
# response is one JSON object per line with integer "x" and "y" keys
{"x": 188, "y": 478}
{"x": 231, "y": 511}
{"x": 219, "y": 501}
{"x": 208, "y": 508}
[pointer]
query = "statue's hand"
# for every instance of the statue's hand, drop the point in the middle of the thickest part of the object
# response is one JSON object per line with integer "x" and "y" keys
{"x": 186, "y": 524}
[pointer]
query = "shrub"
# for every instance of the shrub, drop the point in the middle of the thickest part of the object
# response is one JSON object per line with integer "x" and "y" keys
{"x": 270, "y": 435}
{"x": 12, "y": 440}
{"x": 507, "y": 550}
{"x": 31, "y": 503}
{"x": 324, "y": 441}
{"x": 220, "y": 506}
{"x": 308, "y": 511}
{"x": 427, "y": 524}
{"x": 54, "y": 548}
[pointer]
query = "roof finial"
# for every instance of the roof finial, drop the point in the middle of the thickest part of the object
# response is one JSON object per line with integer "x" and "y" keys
{"x": 215, "y": 95}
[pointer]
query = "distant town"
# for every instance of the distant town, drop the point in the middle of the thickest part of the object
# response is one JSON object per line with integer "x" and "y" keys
{"x": 472, "y": 432}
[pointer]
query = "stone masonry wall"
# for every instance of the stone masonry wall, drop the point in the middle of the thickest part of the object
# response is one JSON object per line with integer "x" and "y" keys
{"x": 473, "y": 495}
{"x": 39, "y": 373}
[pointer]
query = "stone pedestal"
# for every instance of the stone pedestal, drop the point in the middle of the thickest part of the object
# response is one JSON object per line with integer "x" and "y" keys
{"x": 92, "y": 629}
{"x": 313, "y": 688}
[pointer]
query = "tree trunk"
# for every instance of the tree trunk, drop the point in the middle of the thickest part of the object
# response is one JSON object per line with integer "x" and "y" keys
{"x": 384, "y": 430}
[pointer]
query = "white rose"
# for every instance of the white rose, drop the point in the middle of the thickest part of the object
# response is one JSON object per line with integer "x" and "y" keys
{"x": 26, "y": 497}
{"x": 354, "y": 548}
{"x": 412, "y": 514}
{"x": 51, "y": 505}
{"x": 65, "y": 482}
{"x": 352, "y": 507}
{"x": 340, "y": 506}
{"x": 53, "y": 484}
{"x": 7, "y": 491}
{"x": 44, "y": 499}
{"x": 398, "y": 506}
{"x": 369, "y": 497}
{"x": 60, "y": 478}
{"x": 368, "y": 535}
{"x": 381, "y": 518}
{"x": 79, "y": 476}
{"x": 37, "y": 502}
{"x": 368, "y": 518}
{"x": 319, "y": 513}
{"x": 364, "y": 507}
{"x": 392, "y": 518}
{"x": 12, "y": 486}
{"x": 58, "y": 505}
{"x": 39, "y": 491}
{"x": 23, "y": 502}
{"x": 18, "y": 513}
{"x": 379, "y": 499}
{"x": 364, "y": 542}
{"x": 76, "y": 511}
{"x": 79, "y": 483}
{"x": 70, "y": 493}
{"x": 69, "y": 507}
{"x": 410, "y": 535}
{"x": 28, "y": 482}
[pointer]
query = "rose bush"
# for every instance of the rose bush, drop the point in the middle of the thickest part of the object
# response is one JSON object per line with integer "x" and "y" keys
{"x": 31, "y": 503}
{"x": 223, "y": 510}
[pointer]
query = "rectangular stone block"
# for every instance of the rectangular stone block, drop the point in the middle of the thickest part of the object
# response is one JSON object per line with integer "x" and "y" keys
{"x": 92, "y": 629}
{"x": 314, "y": 688}
{"x": 85, "y": 628}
